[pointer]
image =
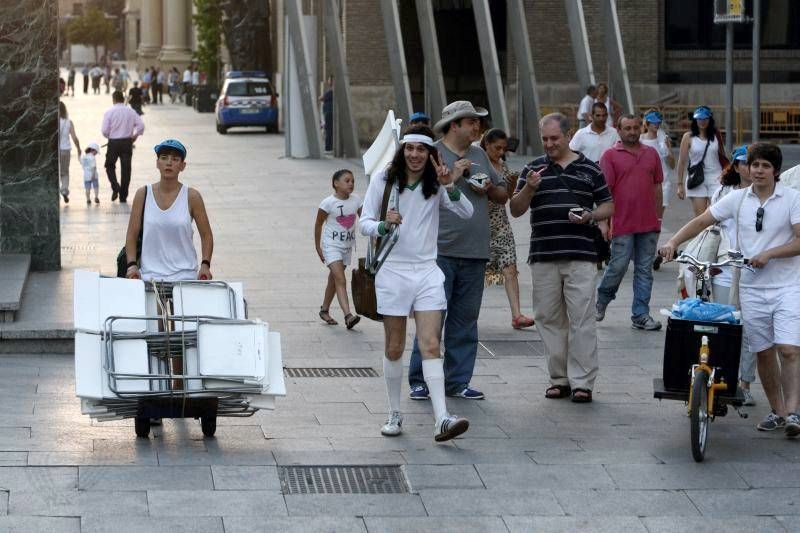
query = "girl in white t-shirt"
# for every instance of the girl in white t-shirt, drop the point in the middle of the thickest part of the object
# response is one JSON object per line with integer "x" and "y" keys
{"x": 335, "y": 238}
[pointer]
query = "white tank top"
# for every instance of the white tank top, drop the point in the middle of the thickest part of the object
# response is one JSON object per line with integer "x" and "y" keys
{"x": 168, "y": 252}
{"x": 63, "y": 134}
{"x": 711, "y": 167}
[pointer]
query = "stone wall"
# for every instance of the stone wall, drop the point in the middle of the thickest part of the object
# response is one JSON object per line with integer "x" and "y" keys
{"x": 29, "y": 207}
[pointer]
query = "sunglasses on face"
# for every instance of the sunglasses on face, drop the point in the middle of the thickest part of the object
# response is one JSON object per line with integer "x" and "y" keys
{"x": 760, "y": 219}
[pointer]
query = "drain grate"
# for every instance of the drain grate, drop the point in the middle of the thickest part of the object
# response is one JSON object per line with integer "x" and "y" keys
{"x": 373, "y": 479}
{"x": 85, "y": 247}
{"x": 342, "y": 372}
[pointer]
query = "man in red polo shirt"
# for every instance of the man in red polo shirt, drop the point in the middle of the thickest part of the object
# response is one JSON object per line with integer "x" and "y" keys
{"x": 633, "y": 174}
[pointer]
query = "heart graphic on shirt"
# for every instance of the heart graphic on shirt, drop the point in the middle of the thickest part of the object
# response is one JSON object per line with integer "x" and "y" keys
{"x": 346, "y": 221}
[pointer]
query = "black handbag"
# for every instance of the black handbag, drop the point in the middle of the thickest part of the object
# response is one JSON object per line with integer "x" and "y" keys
{"x": 697, "y": 172}
{"x": 601, "y": 246}
{"x": 122, "y": 256}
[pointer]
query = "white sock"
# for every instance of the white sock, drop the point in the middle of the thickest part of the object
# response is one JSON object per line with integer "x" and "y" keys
{"x": 433, "y": 370}
{"x": 393, "y": 374}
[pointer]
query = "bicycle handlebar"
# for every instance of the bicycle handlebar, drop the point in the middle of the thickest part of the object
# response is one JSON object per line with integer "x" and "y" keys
{"x": 736, "y": 261}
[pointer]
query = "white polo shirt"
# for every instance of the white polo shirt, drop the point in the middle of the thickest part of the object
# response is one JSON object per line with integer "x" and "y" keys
{"x": 593, "y": 144}
{"x": 781, "y": 211}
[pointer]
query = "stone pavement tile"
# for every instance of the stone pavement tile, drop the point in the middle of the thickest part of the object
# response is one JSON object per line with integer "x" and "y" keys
{"x": 346, "y": 457}
{"x": 13, "y": 458}
{"x": 215, "y": 503}
{"x": 229, "y": 452}
{"x": 448, "y": 454}
{"x": 145, "y": 478}
{"x": 723, "y": 503}
{"x": 789, "y": 523}
{"x": 473, "y": 524}
{"x": 675, "y": 476}
{"x": 587, "y": 503}
{"x": 161, "y": 524}
{"x": 423, "y": 477}
{"x": 410, "y": 439}
{"x": 76, "y": 503}
{"x": 468, "y": 502}
{"x": 675, "y": 449}
{"x": 318, "y": 431}
{"x": 769, "y": 475}
{"x": 741, "y": 524}
{"x": 127, "y": 456}
{"x": 245, "y": 478}
{"x": 300, "y": 444}
{"x": 500, "y": 477}
{"x": 569, "y": 524}
{"x": 51, "y": 524}
{"x": 12, "y": 434}
{"x": 38, "y": 478}
{"x": 584, "y": 457}
{"x": 528, "y": 444}
{"x": 355, "y": 505}
{"x": 293, "y": 524}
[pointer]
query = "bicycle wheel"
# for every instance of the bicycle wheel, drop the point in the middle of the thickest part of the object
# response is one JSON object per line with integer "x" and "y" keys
{"x": 698, "y": 417}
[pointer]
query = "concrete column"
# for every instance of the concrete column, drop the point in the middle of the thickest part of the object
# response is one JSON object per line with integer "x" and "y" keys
{"x": 175, "y": 50}
{"x": 150, "y": 44}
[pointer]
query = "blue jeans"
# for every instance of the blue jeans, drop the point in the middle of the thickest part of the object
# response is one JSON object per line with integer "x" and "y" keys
{"x": 463, "y": 286}
{"x": 641, "y": 247}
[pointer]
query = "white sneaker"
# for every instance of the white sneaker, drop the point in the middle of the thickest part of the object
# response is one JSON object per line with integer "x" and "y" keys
{"x": 748, "y": 397}
{"x": 394, "y": 425}
{"x": 450, "y": 427}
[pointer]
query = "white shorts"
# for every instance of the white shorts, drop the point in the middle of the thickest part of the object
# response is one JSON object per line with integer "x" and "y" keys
{"x": 402, "y": 288}
{"x": 704, "y": 190}
{"x": 333, "y": 254}
{"x": 771, "y": 316}
{"x": 666, "y": 191}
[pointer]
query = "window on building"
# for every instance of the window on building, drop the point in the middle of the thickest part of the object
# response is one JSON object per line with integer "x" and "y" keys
{"x": 689, "y": 25}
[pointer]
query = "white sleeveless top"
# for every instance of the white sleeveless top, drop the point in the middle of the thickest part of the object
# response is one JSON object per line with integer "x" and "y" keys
{"x": 63, "y": 134}
{"x": 168, "y": 252}
{"x": 711, "y": 167}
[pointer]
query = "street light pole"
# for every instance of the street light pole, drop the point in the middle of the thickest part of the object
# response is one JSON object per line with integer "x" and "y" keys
{"x": 756, "y": 70}
{"x": 729, "y": 87}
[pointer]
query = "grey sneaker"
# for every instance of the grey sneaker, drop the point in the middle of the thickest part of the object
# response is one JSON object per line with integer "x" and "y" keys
{"x": 450, "y": 427}
{"x": 771, "y": 422}
{"x": 748, "y": 398}
{"x": 394, "y": 425}
{"x": 646, "y": 323}
{"x": 792, "y": 428}
{"x": 599, "y": 312}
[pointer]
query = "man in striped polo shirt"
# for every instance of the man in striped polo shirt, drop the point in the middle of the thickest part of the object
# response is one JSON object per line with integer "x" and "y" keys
{"x": 566, "y": 194}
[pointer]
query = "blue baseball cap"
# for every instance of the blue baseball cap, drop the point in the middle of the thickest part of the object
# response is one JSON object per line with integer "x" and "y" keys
{"x": 740, "y": 154}
{"x": 419, "y": 116}
{"x": 172, "y": 144}
{"x": 654, "y": 117}
{"x": 702, "y": 113}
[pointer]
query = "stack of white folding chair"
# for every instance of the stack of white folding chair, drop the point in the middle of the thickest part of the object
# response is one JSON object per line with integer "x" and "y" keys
{"x": 129, "y": 335}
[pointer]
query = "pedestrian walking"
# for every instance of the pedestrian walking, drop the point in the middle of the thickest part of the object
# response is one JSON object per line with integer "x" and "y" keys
{"x": 135, "y": 98}
{"x": 90, "y": 180}
{"x": 161, "y": 79}
{"x": 117, "y": 82}
{"x": 657, "y": 139}
{"x": 767, "y": 219}
{"x": 419, "y": 118}
{"x": 335, "y": 238}
{"x": 565, "y": 192}
{"x": 85, "y": 74}
{"x": 463, "y": 250}
{"x": 126, "y": 78}
{"x": 701, "y": 147}
{"x": 633, "y": 175}
{"x": 585, "y": 107}
{"x": 327, "y": 114}
{"x": 71, "y": 81}
{"x": 187, "y": 81}
{"x": 147, "y": 80}
{"x": 421, "y": 187}
{"x": 174, "y": 88}
{"x": 597, "y": 137}
{"x": 502, "y": 266}
{"x": 96, "y": 74}
{"x": 66, "y": 130}
{"x": 121, "y": 126}
{"x": 613, "y": 108}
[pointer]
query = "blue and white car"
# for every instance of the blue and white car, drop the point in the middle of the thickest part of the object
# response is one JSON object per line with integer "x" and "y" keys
{"x": 247, "y": 99}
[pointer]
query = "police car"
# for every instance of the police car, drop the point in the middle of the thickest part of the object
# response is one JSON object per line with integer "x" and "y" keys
{"x": 247, "y": 99}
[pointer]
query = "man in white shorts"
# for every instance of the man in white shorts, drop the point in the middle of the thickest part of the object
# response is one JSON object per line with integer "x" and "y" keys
{"x": 768, "y": 218}
{"x": 410, "y": 282}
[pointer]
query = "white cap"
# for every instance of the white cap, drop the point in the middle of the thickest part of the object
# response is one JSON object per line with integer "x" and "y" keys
{"x": 94, "y": 146}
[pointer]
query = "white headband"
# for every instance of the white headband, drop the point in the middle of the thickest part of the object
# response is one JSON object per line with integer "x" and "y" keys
{"x": 417, "y": 138}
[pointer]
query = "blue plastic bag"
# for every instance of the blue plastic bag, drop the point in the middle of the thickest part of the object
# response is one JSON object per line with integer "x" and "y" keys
{"x": 696, "y": 309}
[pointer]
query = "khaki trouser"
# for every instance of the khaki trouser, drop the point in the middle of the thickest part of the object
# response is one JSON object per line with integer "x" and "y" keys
{"x": 63, "y": 170}
{"x": 564, "y": 307}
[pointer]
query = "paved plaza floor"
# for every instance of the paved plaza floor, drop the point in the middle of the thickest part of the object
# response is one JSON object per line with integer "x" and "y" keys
{"x": 622, "y": 463}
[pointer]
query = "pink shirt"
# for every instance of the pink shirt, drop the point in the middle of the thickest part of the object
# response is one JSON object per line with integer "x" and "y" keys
{"x": 121, "y": 122}
{"x": 632, "y": 179}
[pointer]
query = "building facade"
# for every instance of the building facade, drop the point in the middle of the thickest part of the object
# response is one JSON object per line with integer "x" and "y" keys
{"x": 159, "y": 32}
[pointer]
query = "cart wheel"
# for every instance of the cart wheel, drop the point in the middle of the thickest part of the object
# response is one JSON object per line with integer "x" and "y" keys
{"x": 698, "y": 417}
{"x": 142, "y": 427}
{"x": 209, "y": 425}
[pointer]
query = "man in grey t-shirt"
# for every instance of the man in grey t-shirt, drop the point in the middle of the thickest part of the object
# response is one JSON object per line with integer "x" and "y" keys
{"x": 463, "y": 250}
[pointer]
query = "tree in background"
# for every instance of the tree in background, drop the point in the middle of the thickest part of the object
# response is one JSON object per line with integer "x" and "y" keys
{"x": 92, "y": 29}
{"x": 208, "y": 22}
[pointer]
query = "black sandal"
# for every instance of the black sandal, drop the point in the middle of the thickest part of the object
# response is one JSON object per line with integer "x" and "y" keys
{"x": 585, "y": 396}
{"x": 562, "y": 392}
{"x": 325, "y": 315}
{"x": 351, "y": 320}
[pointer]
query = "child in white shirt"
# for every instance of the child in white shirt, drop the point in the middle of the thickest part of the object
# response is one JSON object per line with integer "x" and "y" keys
{"x": 335, "y": 238}
{"x": 89, "y": 164}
